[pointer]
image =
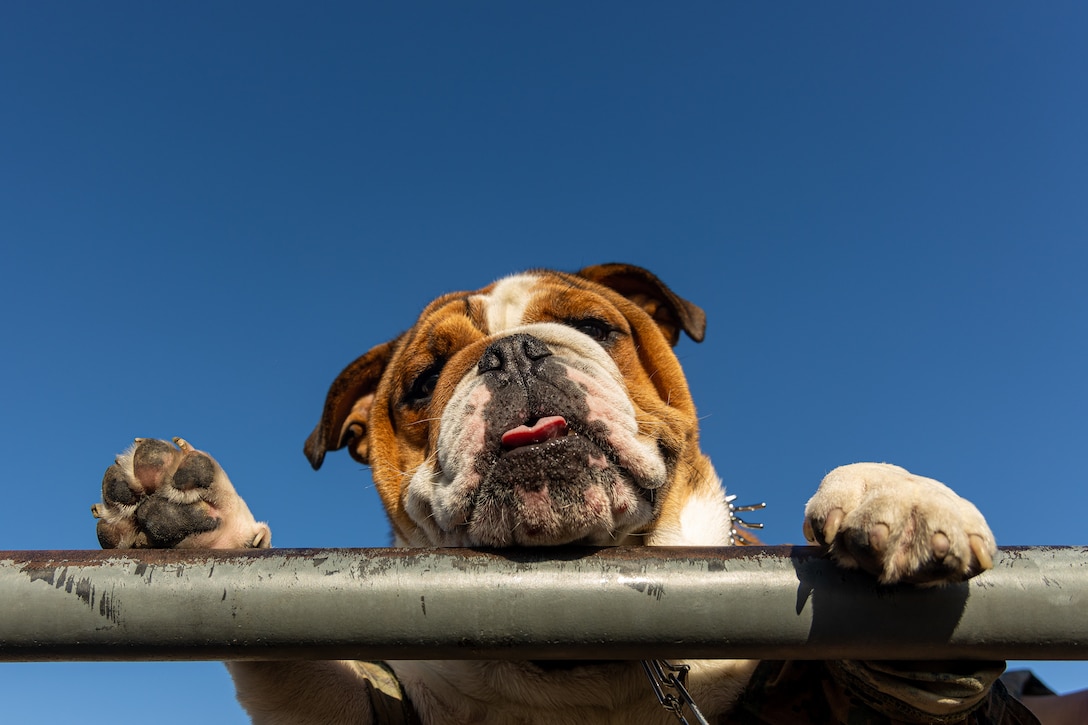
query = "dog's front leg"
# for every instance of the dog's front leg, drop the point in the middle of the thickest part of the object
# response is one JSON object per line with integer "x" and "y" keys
{"x": 909, "y": 529}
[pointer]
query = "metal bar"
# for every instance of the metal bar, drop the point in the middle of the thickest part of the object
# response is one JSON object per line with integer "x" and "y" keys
{"x": 636, "y": 603}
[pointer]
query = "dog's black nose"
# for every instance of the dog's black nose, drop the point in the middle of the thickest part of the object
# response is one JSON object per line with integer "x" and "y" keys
{"x": 514, "y": 354}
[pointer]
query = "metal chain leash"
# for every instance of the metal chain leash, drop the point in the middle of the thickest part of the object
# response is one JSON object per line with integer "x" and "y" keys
{"x": 664, "y": 675}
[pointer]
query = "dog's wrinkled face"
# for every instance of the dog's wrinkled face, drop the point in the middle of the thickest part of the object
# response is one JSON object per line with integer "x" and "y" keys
{"x": 544, "y": 409}
{"x": 538, "y": 443}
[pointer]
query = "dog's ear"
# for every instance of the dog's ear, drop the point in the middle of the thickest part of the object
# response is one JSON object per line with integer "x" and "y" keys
{"x": 345, "y": 420}
{"x": 671, "y": 312}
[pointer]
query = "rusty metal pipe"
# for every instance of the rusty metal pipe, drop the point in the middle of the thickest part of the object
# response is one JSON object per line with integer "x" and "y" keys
{"x": 638, "y": 603}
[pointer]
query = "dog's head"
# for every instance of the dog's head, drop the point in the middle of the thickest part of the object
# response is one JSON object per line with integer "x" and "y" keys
{"x": 546, "y": 408}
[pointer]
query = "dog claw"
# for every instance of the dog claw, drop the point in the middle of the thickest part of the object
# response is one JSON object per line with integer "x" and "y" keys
{"x": 810, "y": 535}
{"x": 978, "y": 547}
{"x": 940, "y": 544}
{"x": 183, "y": 444}
{"x": 879, "y": 536}
{"x": 260, "y": 541}
{"x": 832, "y": 525}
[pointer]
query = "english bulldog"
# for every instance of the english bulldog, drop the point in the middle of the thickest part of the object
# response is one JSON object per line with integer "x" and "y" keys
{"x": 544, "y": 409}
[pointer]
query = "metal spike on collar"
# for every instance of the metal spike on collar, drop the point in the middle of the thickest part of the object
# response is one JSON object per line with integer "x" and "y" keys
{"x": 736, "y": 535}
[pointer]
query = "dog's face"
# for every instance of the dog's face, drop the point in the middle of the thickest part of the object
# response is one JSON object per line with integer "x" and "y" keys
{"x": 544, "y": 409}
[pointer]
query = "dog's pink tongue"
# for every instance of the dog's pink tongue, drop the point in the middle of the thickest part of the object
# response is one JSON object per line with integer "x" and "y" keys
{"x": 544, "y": 429}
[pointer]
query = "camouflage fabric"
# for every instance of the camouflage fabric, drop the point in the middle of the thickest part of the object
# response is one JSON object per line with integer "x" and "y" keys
{"x": 826, "y": 693}
{"x": 879, "y": 693}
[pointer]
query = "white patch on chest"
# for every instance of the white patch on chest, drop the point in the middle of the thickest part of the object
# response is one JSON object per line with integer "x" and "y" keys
{"x": 505, "y": 305}
{"x": 704, "y": 521}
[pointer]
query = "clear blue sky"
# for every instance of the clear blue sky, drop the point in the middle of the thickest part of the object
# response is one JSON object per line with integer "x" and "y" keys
{"x": 207, "y": 209}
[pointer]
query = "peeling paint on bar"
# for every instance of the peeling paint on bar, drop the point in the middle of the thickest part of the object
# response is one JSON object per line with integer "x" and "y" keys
{"x": 618, "y": 603}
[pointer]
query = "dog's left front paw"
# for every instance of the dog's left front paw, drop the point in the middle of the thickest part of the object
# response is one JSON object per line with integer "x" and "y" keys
{"x": 898, "y": 526}
{"x": 162, "y": 496}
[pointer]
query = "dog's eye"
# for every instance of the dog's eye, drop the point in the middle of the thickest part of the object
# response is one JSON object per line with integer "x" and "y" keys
{"x": 424, "y": 385}
{"x": 599, "y": 330}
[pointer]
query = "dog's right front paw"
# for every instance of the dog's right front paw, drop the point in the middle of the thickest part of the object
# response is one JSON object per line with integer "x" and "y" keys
{"x": 158, "y": 496}
{"x": 898, "y": 526}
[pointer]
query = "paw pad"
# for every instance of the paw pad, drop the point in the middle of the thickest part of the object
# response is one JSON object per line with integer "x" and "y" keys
{"x": 159, "y": 495}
